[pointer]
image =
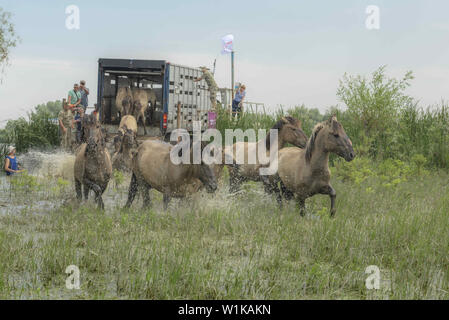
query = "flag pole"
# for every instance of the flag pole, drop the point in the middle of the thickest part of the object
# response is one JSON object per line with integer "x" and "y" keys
{"x": 232, "y": 73}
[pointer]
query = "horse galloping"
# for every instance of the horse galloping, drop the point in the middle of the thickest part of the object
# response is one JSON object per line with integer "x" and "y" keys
{"x": 305, "y": 172}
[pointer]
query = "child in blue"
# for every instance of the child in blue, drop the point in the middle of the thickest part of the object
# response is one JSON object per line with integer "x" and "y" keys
{"x": 11, "y": 165}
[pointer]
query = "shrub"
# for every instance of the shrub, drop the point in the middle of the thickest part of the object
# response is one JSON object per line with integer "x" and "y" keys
{"x": 38, "y": 131}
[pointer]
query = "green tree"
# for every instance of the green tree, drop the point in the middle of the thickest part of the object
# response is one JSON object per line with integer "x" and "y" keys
{"x": 51, "y": 107}
{"x": 373, "y": 108}
{"x": 38, "y": 130}
{"x": 8, "y": 38}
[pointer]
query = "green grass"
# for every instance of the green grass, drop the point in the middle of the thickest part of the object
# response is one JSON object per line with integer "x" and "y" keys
{"x": 240, "y": 247}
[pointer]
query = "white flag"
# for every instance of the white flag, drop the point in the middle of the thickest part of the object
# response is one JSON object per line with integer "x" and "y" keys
{"x": 227, "y": 43}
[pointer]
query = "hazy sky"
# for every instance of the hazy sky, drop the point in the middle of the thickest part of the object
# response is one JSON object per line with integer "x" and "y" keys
{"x": 287, "y": 52}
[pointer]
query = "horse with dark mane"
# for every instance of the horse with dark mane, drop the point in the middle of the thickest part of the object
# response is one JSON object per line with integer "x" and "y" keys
{"x": 305, "y": 172}
{"x": 93, "y": 167}
{"x": 153, "y": 169}
{"x": 289, "y": 131}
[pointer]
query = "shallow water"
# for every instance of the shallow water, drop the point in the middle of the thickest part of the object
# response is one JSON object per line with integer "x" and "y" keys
{"x": 54, "y": 175}
{"x": 48, "y": 164}
{"x": 44, "y": 168}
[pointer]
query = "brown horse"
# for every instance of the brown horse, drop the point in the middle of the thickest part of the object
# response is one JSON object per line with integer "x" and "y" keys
{"x": 121, "y": 160}
{"x": 152, "y": 100}
{"x": 124, "y": 101}
{"x": 140, "y": 105}
{"x": 153, "y": 168}
{"x": 92, "y": 168}
{"x": 289, "y": 131}
{"x": 305, "y": 172}
{"x": 127, "y": 123}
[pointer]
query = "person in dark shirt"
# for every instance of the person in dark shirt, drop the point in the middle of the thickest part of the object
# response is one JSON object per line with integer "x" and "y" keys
{"x": 84, "y": 95}
{"x": 78, "y": 120}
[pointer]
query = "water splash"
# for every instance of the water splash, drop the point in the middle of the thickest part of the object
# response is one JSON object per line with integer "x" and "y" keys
{"x": 57, "y": 163}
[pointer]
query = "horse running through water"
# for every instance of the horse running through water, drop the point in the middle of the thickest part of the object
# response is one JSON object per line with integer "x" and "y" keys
{"x": 289, "y": 131}
{"x": 124, "y": 142}
{"x": 305, "y": 172}
{"x": 92, "y": 168}
{"x": 153, "y": 168}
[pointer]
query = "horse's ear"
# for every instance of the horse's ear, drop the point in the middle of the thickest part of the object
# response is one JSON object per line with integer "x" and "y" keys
{"x": 332, "y": 118}
{"x": 284, "y": 120}
{"x": 296, "y": 122}
{"x": 334, "y": 124}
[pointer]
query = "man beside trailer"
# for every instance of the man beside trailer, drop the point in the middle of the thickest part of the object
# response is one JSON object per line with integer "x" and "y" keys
{"x": 211, "y": 84}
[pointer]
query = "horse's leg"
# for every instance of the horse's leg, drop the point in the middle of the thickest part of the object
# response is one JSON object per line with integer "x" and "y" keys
{"x": 132, "y": 191}
{"x": 86, "y": 191}
{"x": 97, "y": 189}
{"x": 235, "y": 180}
{"x": 271, "y": 186}
{"x": 98, "y": 196}
{"x": 100, "y": 200}
{"x": 166, "y": 200}
{"x": 146, "y": 195}
{"x": 79, "y": 195}
{"x": 142, "y": 117}
{"x": 287, "y": 194}
{"x": 267, "y": 184}
{"x": 302, "y": 206}
{"x": 333, "y": 195}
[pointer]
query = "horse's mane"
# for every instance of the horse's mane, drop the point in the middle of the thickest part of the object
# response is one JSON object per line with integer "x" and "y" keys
{"x": 311, "y": 143}
{"x": 278, "y": 126}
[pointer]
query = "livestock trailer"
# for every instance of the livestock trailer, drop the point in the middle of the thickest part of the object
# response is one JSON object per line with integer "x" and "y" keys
{"x": 180, "y": 100}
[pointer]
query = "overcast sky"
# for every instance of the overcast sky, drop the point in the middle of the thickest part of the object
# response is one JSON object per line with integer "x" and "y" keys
{"x": 287, "y": 52}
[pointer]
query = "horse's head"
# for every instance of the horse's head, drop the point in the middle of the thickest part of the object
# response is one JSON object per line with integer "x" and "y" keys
{"x": 135, "y": 110}
{"x": 290, "y": 131}
{"x": 201, "y": 171}
{"x": 118, "y": 141}
{"x": 95, "y": 136}
{"x": 129, "y": 138}
{"x": 207, "y": 177}
{"x": 127, "y": 104}
{"x": 205, "y": 172}
{"x": 336, "y": 140}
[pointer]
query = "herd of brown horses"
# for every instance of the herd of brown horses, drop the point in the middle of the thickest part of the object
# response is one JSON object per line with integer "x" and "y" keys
{"x": 302, "y": 170}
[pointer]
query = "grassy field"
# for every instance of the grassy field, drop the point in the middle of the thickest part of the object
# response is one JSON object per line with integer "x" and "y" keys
{"x": 228, "y": 247}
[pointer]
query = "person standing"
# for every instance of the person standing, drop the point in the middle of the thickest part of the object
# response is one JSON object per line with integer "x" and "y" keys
{"x": 66, "y": 124}
{"x": 78, "y": 120}
{"x": 74, "y": 98}
{"x": 84, "y": 93}
{"x": 237, "y": 103}
{"x": 211, "y": 84}
{"x": 11, "y": 164}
